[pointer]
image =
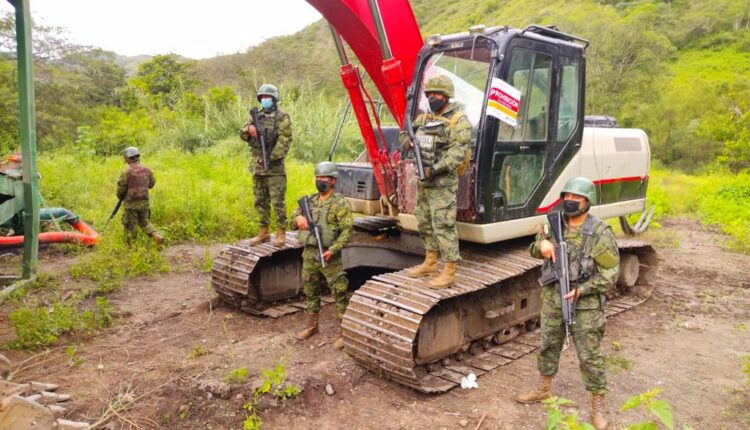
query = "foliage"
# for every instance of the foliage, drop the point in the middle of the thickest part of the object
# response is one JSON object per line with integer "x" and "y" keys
{"x": 617, "y": 363}
{"x": 40, "y": 326}
{"x": 746, "y": 368}
{"x": 558, "y": 419}
{"x": 661, "y": 409}
{"x": 237, "y": 376}
{"x": 273, "y": 382}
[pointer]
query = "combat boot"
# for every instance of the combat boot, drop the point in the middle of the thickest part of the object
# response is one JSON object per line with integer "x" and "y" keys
{"x": 280, "y": 238}
{"x": 446, "y": 278}
{"x": 598, "y": 413}
{"x": 311, "y": 329}
{"x": 428, "y": 266}
{"x": 542, "y": 391}
{"x": 261, "y": 237}
{"x": 159, "y": 239}
{"x": 339, "y": 343}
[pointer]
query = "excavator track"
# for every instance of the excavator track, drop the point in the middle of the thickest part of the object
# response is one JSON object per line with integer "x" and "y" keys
{"x": 239, "y": 271}
{"x": 430, "y": 339}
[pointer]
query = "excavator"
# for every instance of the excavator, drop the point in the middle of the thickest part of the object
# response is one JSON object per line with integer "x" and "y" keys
{"x": 395, "y": 325}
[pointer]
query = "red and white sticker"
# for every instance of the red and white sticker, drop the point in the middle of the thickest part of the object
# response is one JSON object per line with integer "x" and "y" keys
{"x": 503, "y": 102}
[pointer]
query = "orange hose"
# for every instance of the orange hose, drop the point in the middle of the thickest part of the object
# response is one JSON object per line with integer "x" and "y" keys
{"x": 87, "y": 236}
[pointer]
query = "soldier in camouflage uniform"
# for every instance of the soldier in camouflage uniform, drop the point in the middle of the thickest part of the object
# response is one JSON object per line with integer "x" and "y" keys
{"x": 132, "y": 189}
{"x": 333, "y": 214}
{"x": 269, "y": 186}
{"x": 594, "y": 269}
{"x": 444, "y": 137}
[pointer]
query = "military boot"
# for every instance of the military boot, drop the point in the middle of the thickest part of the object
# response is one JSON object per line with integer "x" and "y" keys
{"x": 159, "y": 239}
{"x": 339, "y": 343}
{"x": 311, "y": 329}
{"x": 261, "y": 237}
{"x": 428, "y": 266}
{"x": 598, "y": 413}
{"x": 542, "y": 391}
{"x": 446, "y": 278}
{"x": 280, "y": 238}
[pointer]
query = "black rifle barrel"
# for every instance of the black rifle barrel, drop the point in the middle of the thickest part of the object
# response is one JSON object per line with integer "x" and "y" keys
{"x": 562, "y": 267}
{"x": 261, "y": 138}
{"x": 304, "y": 204}
{"x": 114, "y": 212}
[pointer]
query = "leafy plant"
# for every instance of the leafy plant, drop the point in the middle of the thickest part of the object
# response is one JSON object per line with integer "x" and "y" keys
{"x": 557, "y": 419}
{"x": 273, "y": 382}
{"x": 746, "y": 368}
{"x": 238, "y": 375}
{"x": 661, "y": 409}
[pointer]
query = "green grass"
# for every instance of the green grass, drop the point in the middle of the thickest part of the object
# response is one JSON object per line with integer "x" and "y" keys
{"x": 204, "y": 197}
{"x": 718, "y": 200}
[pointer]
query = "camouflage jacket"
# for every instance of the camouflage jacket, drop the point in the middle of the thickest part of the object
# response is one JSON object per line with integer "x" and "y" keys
{"x": 276, "y": 127}
{"x": 598, "y": 262}
{"x": 337, "y": 226}
{"x": 444, "y": 143}
{"x": 133, "y": 186}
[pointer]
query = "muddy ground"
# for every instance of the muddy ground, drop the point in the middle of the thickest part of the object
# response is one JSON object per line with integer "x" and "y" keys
{"x": 169, "y": 344}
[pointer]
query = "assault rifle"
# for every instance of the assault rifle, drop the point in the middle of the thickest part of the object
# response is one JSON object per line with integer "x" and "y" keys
{"x": 561, "y": 270}
{"x": 304, "y": 205}
{"x": 417, "y": 149}
{"x": 261, "y": 138}
{"x": 114, "y": 212}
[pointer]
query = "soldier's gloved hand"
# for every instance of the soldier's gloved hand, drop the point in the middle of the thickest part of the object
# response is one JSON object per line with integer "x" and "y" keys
{"x": 427, "y": 173}
{"x": 409, "y": 144}
{"x": 327, "y": 255}
{"x": 301, "y": 222}
{"x": 547, "y": 249}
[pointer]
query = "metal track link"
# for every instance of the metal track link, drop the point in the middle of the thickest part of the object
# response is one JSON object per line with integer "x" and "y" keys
{"x": 232, "y": 271}
{"x": 382, "y": 322}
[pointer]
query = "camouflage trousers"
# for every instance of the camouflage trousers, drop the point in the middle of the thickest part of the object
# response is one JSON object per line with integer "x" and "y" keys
{"x": 268, "y": 191}
{"x": 587, "y": 334}
{"x": 436, "y": 220}
{"x": 134, "y": 218}
{"x": 313, "y": 275}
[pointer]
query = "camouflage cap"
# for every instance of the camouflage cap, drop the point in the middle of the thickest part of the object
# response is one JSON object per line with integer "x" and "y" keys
{"x": 439, "y": 84}
{"x": 131, "y": 152}
{"x": 580, "y": 186}
{"x": 268, "y": 90}
{"x": 326, "y": 168}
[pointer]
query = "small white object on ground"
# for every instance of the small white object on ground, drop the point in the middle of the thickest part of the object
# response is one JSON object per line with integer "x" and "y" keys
{"x": 469, "y": 381}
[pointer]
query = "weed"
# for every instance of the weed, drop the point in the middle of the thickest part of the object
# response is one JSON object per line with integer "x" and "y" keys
{"x": 237, "y": 376}
{"x": 71, "y": 353}
{"x": 557, "y": 419}
{"x": 274, "y": 383}
{"x": 198, "y": 351}
{"x": 661, "y": 409}
{"x": 206, "y": 263}
{"x": 617, "y": 345}
{"x": 746, "y": 368}
{"x": 617, "y": 363}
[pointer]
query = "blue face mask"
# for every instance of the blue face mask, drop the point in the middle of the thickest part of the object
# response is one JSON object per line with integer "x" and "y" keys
{"x": 266, "y": 103}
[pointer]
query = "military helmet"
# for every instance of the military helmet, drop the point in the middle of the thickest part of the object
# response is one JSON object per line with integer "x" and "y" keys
{"x": 580, "y": 186}
{"x": 268, "y": 90}
{"x": 131, "y": 152}
{"x": 439, "y": 84}
{"x": 326, "y": 168}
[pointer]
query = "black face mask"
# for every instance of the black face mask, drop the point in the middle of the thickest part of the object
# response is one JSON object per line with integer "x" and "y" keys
{"x": 436, "y": 103}
{"x": 322, "y": 186}
{"x": 573, "y": 208}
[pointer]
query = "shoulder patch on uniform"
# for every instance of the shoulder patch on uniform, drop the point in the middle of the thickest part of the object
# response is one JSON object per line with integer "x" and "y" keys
{"x": 607, "y": 259}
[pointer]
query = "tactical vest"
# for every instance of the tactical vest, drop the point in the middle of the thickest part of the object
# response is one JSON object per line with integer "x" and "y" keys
{"x": 268, "y": 126}
{"x": 433, "y": 138}
{"x": 583, "y": 267}
{"x": 138, "y": 182}
{"x": 320, "y": 217}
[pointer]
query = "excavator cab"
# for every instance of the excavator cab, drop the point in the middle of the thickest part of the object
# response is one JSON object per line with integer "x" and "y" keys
{"x": 512, "y": 166}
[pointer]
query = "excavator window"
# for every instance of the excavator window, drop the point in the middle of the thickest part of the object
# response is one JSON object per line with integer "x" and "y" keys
{"x": 468, "y": 69}
{"x": 567, "y": 120}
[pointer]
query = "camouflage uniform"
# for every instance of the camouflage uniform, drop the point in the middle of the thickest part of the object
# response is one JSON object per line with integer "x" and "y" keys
{"x": 599, "y": 269}
{"x": 334, "y": 216}
{"x": 444, "y": 142}
{"x": 132, "y": 188}
{"x": 269, "y": 186}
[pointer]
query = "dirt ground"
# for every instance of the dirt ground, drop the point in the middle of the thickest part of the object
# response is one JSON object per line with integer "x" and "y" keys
{"x": 169, "y": 344}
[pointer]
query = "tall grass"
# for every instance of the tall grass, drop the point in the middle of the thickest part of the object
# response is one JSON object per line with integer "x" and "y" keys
{"x": 719, "y": 200}
{"x": 205, "y": 196}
